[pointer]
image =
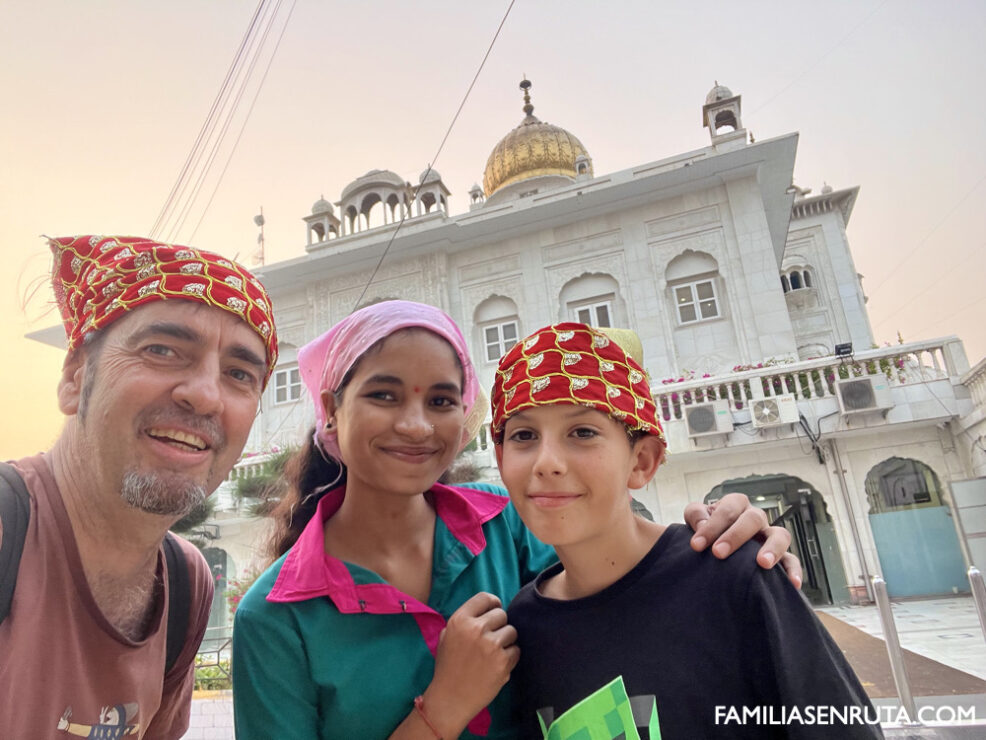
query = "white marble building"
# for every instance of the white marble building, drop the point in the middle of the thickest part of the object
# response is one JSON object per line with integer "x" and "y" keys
{"x": 740, "y": 286}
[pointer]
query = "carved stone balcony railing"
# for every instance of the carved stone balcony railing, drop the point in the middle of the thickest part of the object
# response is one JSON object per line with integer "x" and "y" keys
{"x": 902, "y": 364}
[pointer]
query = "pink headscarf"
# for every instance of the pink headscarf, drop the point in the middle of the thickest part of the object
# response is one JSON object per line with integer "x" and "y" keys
{"x": 324, "y": 361}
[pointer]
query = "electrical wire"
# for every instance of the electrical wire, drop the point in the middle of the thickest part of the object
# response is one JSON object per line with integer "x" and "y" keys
{"x": 441, "y": 146}
{"x": 911, "y": 252}
{"x": 239, "y": 136}
{"x": 966, "y": 307}
{"x": 204, "y": 132}
{"x": 912, "y": 298}
{"x": 213, "y": 135}
{"x": 811, "y": 67}
{"x": 224, "y": 129}
{"x": 434, "y": 159}
{"x": 221, "y": 137}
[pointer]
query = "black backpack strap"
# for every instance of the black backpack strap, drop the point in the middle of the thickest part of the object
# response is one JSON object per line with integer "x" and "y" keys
{"x": 179, "y": 600}
{"x": 15, "y": 513}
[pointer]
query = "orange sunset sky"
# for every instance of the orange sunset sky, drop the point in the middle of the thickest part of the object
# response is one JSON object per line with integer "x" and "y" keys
{"x": 102, "y": 101}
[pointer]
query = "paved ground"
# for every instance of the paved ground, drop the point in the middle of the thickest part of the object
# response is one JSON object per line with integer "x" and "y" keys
{"x": 868, "y": 656}
{"x": 946, "y": 630}
{"x": 944, "y": 656}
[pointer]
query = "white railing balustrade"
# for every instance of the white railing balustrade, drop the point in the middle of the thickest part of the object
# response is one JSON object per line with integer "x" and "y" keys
{"x": 247, "y": 467}
{"x": 901, "y": 364}
{"x": 975, "y": 381}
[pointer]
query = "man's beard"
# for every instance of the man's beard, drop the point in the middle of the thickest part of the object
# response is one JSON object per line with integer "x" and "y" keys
{"x": 170, "y": 495}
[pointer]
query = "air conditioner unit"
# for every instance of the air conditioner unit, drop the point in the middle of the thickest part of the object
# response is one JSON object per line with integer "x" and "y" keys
{"x": 706, "y": 419}
{"x": 869, "y": 393}
{"x": 775, "y": 411}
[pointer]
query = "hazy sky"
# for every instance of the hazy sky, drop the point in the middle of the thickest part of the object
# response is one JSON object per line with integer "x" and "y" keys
{"x": 103, "y": 99}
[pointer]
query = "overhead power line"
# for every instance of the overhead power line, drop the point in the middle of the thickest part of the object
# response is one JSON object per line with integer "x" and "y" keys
{"x": 424, "y": 177}
{"x": 441, "y": 146}
{"x": 246, "y": 118}
{"x": 204, "y": 132}
{"x": 212, "y": 136}
{"x": 901, "y": 260}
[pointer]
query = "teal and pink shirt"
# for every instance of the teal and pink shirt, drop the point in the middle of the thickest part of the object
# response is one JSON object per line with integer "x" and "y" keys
{"x": 323, "y": 648}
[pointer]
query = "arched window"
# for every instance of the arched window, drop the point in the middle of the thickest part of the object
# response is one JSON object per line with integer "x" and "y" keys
{"x": 796, "y": 275}
{"x": 590, "y": 299}
{"x": 496, "y": 318}
{"x": 367, "y": 207}
{"x": 902, "y": 483}
{"x": 393, "y": 207}
{"x": 692, "y": 278}
{"x": 428, "y": 202}
{"x": 725, "y": 120}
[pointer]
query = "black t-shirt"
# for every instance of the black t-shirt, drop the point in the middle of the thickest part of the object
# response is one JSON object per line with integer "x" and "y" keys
{"x": 712, "y": 648}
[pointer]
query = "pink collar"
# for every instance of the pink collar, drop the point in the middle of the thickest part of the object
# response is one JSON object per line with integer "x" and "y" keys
{"x": 308, "y": 572}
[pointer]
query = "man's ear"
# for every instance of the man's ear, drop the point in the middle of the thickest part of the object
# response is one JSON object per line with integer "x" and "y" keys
{"x": 648, "y": 452}
{"x": 71, "y": 382}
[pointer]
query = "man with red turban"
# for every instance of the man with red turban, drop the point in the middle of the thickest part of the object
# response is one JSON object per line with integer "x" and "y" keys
{"x": 170, "y": 349}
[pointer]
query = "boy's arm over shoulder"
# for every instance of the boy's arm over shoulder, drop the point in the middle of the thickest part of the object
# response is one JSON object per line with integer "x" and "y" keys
{"x": 803, "y": 669}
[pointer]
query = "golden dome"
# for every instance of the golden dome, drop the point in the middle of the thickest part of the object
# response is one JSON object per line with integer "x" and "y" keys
{"x": 533, "y": 149}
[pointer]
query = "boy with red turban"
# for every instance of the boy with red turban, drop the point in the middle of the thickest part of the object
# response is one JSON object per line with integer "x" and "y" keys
{"x": 633, "y": 631}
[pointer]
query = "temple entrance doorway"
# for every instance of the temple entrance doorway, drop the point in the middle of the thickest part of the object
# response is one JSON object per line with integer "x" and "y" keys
{"x": 792, "y": 503}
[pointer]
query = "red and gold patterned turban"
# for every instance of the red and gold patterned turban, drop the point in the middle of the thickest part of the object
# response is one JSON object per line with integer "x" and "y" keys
{"x": 576, "y": 364}
{"x": 97, "y": 279}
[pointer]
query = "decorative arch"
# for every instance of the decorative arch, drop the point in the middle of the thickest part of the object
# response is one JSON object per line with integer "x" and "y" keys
{"x": 694, "y": 287}
{"x": 913, "y": 529}
{"x": 497, "y": 325}
{"x": 393, "y": 208}
{"x": 428, "y": 201}
{"x": 690, "y": 263}
{"x": 796, "y": 504}
{"x": 591, "y": 298}
{"x": 366, "y": 207}
{"x": 900, "y": 483}
{"x": 725, "y": 119}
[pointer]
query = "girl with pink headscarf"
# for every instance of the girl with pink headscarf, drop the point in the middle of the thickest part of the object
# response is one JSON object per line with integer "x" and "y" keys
{"x": 383, "y": 613}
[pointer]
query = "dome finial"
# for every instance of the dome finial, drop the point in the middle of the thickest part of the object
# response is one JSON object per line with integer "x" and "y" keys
{"x": 525, "y": 85}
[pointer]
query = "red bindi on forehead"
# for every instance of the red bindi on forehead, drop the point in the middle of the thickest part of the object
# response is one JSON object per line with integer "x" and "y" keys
{"x": 417, "y": 390}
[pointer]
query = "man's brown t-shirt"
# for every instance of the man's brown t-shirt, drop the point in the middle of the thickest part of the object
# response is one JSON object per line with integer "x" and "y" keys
{"x": 65, "y": 671}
